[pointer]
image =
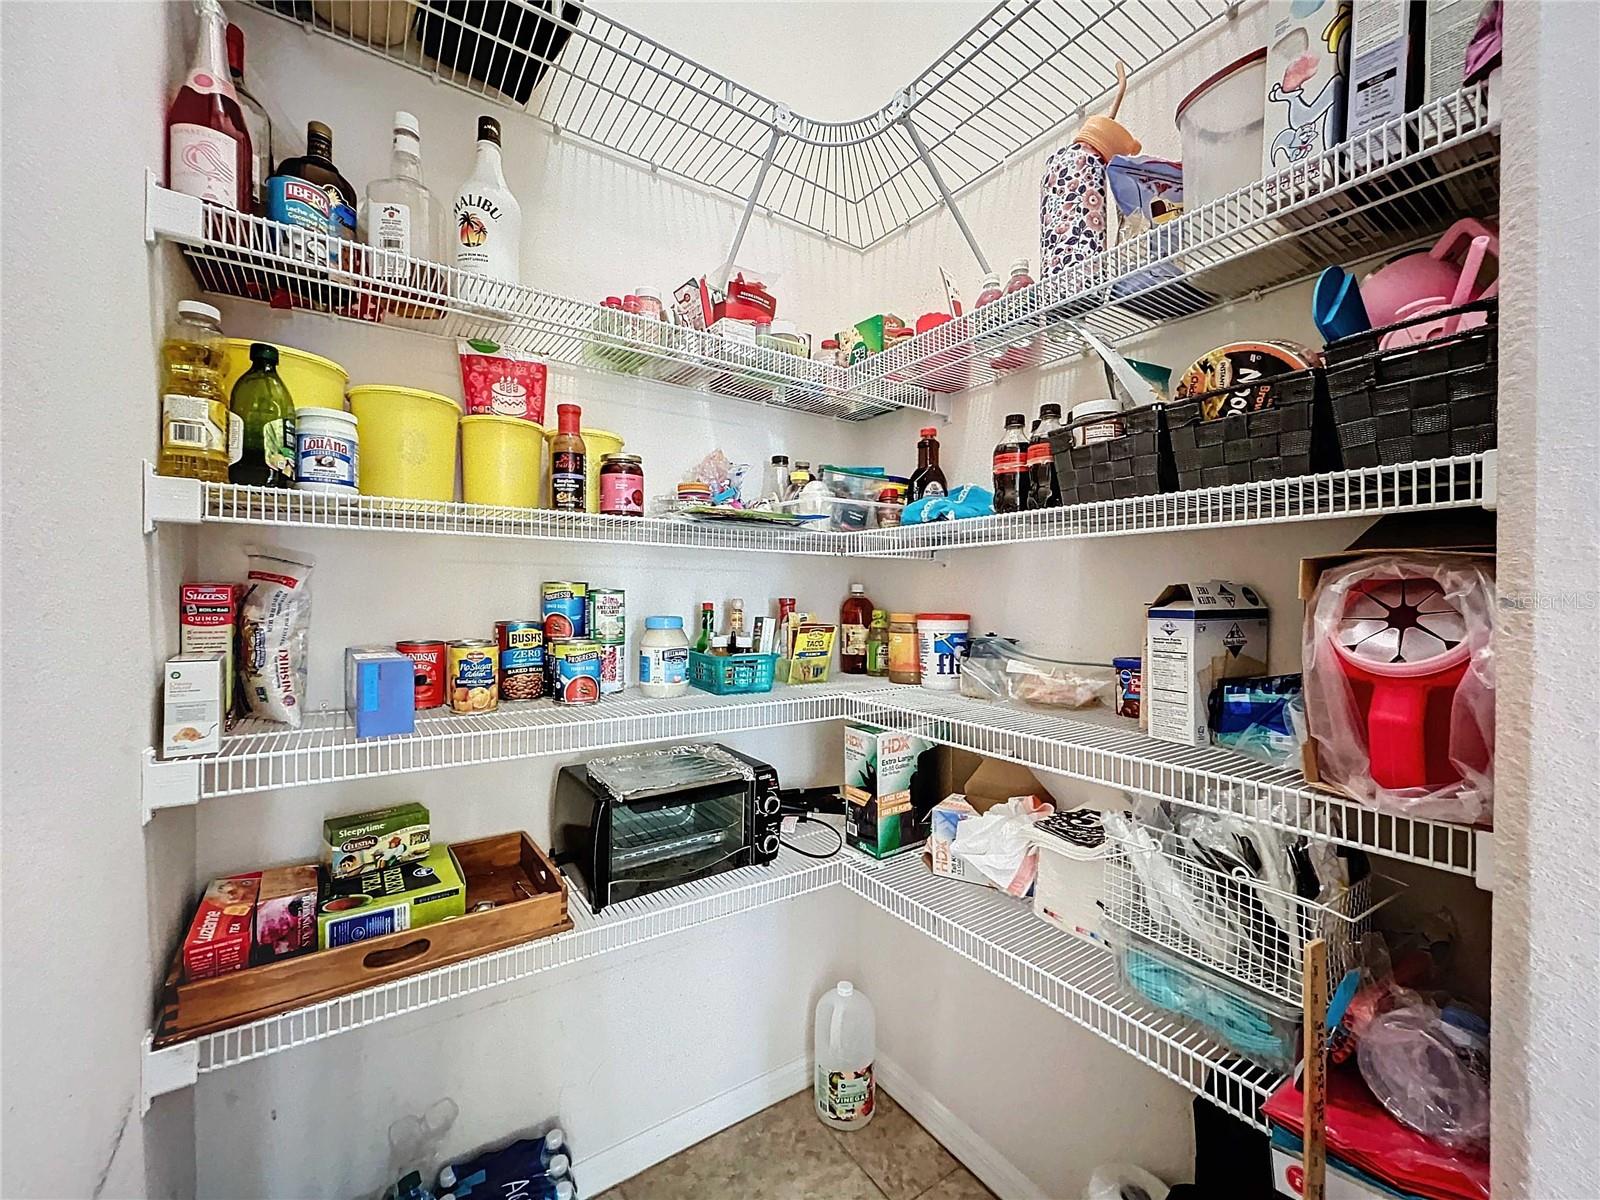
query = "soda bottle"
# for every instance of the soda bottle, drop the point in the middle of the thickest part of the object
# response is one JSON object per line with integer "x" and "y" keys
{"x": 1011, "y": 466}
{"x": 1043, "y": 489}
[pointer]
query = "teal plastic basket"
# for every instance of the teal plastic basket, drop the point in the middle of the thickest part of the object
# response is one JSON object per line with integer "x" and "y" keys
{"x": 732, "y": 674}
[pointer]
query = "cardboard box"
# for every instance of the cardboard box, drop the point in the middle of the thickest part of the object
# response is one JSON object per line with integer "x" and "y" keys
{"x": 360, "y": 842}
{"x": 380, "y": 690}
{"x": 1195, "y": 634}
{"x": 392, "y": 899}
{"x": 208, "y": 615}
{"x": 1305, "y": 109}
{"x": 1385, "y": 80}
{"x": 286, "y": 912}
{"x": 1447, "y": 32}
{"x": 891, "y": 783}
{"x": 222, "y": 932}
{"x": 974, "y": 785}
{"x": 1340, "y": 1182}
{"x": 192, "y": 715}
{"x": 1465, "y": 534}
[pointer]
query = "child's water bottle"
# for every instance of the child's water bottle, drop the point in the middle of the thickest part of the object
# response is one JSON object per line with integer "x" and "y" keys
{"x": 1072, "y": 195}
{"x": 846, "y": 1091}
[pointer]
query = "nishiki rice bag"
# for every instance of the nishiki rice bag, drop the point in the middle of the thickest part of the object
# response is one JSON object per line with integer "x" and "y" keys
{"x": 273, "y": 625}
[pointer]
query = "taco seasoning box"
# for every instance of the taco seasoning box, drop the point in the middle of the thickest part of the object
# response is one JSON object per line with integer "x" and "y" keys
{"x": 474, "y": 675}
{"x": 904, "y": 655}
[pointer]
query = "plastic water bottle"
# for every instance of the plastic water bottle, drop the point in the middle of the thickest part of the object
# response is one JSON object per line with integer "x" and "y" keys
{"x": 846, "y": 1090}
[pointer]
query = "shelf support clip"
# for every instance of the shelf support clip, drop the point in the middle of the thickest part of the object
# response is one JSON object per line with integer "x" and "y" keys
{"x": 782, "y": 123}
{"x": 169, "y": 1069}
{"x": 944, "y": 190}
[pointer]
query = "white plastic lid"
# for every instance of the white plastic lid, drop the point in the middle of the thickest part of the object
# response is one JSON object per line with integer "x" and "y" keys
{"x": 784, "y": 327}
{"x": 846, "y": 988}
{"x": 1020, "y": 265}
{"x": 720, "y": 639}
{"x": 447, "y": 1177}
{"x": 404, "y": 121}
{"x": 555, "y": 1139}
{"x": 858, "y": 589}
{"x": 337, "y": 414}
{"x": 653, "y": 293}
{"x": 559, "y": 1165}
{"x": 564, "y": 1190}
{"x": 1094, "y": 408}
{"x": 199, "y": 308}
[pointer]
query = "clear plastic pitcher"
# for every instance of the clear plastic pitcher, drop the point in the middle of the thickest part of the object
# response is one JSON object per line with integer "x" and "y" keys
{"x": 846, "y": 1090}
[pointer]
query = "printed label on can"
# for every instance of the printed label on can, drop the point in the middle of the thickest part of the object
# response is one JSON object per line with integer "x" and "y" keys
{"x": 564, "y": 607}
{"x": 474, "y": 679}
{"x": 575, "y": 672}
{"x": 521, "y": 659}
{"x": 607, "y": 615}
{"x": 325, "y": 458}
{"x": 941, "y": 654}
{"x": 613, "y": 668}
{"x": 427, "y": 669}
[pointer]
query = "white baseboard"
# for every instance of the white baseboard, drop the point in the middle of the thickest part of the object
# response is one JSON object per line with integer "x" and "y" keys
{"x": 621, "y": 1162}
{"x": 956, "y": 1136}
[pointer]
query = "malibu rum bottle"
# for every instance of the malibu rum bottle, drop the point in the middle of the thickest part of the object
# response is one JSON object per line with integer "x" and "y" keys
{"x": 487, "y": 220}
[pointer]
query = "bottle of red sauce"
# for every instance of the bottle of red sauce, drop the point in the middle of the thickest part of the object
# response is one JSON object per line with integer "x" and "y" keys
{"x": 208, "y": 143}
{"x": 855, "y": 619}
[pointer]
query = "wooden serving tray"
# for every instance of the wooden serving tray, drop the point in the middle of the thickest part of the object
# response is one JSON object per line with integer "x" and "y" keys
{"x": 530, "y": 899}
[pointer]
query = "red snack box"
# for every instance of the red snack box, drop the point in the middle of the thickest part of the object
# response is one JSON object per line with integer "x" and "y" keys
{"x": 222, "y": 933}
{"x": 207, "y": 614}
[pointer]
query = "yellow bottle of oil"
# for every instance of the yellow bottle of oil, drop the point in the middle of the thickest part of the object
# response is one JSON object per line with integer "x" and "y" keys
{"x": 194, "y": 410}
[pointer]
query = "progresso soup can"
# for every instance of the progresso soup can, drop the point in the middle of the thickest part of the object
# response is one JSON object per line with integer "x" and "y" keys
{"x": 574, "y": 670}
{"x": 521, "y": 648}
{"x": 474, "y": 676}
{"x": 564, "y": 607}
{"x": 427, "y": 668}
{"x": 608, "y": 615}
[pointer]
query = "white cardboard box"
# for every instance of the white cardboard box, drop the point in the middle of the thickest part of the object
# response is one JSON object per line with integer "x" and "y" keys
{"x": 191, "y": 705}
{"x": 1196, "y": 634}
{"x": 1288, "y": 1178}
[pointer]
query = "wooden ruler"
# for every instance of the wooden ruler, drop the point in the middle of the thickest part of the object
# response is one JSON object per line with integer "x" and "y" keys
{"x": 1314, "y": 1081}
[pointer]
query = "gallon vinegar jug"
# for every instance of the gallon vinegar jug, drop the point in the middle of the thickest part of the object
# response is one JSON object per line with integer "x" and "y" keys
{"x": 846, "y": 1091}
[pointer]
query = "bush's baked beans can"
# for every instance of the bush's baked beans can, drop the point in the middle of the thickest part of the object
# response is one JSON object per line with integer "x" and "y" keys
{"x": 474, "y": 675}
{"x": 608, "y": 615}
{"x": 613, "y": 667}
{"x": 564, "y": 607}
{"x": 521, "y": 648}
{"x": 575, "y": 670}
{"x": 427, "y": 664}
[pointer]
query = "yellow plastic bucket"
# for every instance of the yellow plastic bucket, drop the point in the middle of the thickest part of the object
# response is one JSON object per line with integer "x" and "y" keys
{"x": 408, "y": 441}
{"x": 313, "y": 381}
{"x": 597, "y": 443}
{"x": 502, "y": 460}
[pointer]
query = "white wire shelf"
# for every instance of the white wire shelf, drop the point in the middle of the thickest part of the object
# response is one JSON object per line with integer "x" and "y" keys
{"x": 1098, "y": 747}
{"x": 998, "y": 932}
{"x": 1069, "y": 974}
{"x": 1026, "y": 68}
{"x": 1387, "y": 189}
{"x": 1365, "y": 492}
{"x": 252, "y": 258}
{"x": 260, "y": 755}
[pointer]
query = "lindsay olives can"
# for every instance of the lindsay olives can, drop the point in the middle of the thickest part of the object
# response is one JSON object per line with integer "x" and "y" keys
{"x": 608, "y": 615}
{"x": 474, "y": 675}
{"x": 574, "y": 670}
{"x": 427, "y": 666}
{"x": 521, "y": 647}
{"x": 613, "y": 667}
{"x": 564, "y": 607}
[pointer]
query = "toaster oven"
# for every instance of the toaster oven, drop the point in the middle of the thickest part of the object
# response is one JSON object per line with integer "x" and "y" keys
{"x": 631, "y": 824}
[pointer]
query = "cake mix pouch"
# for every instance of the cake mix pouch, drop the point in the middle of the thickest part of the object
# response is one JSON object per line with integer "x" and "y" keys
{"x": 506, "y": 383}
{"x": 273, "y": 626}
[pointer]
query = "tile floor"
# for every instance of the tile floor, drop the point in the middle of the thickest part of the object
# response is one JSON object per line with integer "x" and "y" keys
{"x": 785, "y": 1153}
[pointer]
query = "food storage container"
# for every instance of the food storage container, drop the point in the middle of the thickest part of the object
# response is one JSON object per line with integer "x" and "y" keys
{"x": 313, "y": 381}
{"x": 408, "y": 442}
{"x": 502, "y": 460}
{"x": 997, "y": 669}
{"x": 1221, "y": 124}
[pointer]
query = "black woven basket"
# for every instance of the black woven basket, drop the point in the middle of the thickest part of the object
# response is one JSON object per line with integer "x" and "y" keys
{"x": 1287, "y": 431}
{"x": 1136, "y": 463}
{"x": 1433, "y": 399}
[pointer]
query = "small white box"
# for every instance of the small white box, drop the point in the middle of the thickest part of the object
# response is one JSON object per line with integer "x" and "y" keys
{"x": 1196, "y": 634}
{"x": 191, "y": 705}
{"x": 1071, "y": 876}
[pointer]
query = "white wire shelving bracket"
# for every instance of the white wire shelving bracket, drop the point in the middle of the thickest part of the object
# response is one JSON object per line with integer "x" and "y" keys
{"x": 262, "y": 756}
{"x": 1026, "y": 68}
{"x": 1364, "y": 492}
{"x": 998, "y": 932}
{"x": 1386, "y": 189}
{"x": 252, "y": 258}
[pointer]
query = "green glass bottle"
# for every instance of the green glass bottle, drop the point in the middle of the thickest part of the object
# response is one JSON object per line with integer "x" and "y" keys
{"x": 264, "y": 407}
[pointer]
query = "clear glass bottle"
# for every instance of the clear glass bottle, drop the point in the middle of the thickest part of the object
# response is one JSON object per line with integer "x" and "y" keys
{"x": 255, "y": 120}
{"x": 195, "y": 421}
{"x": 775, "y": 483}
{"x": 400, "y": 220}
{"x": 488, "y": 219}
{"x": 735, "y": 617}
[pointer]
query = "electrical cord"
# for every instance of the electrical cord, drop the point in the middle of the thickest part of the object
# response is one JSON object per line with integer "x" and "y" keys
{"x": 804, "y": 817}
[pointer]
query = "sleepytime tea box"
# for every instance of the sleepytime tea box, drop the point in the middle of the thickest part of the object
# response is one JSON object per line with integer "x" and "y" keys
{"x": 360, "y": 841}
